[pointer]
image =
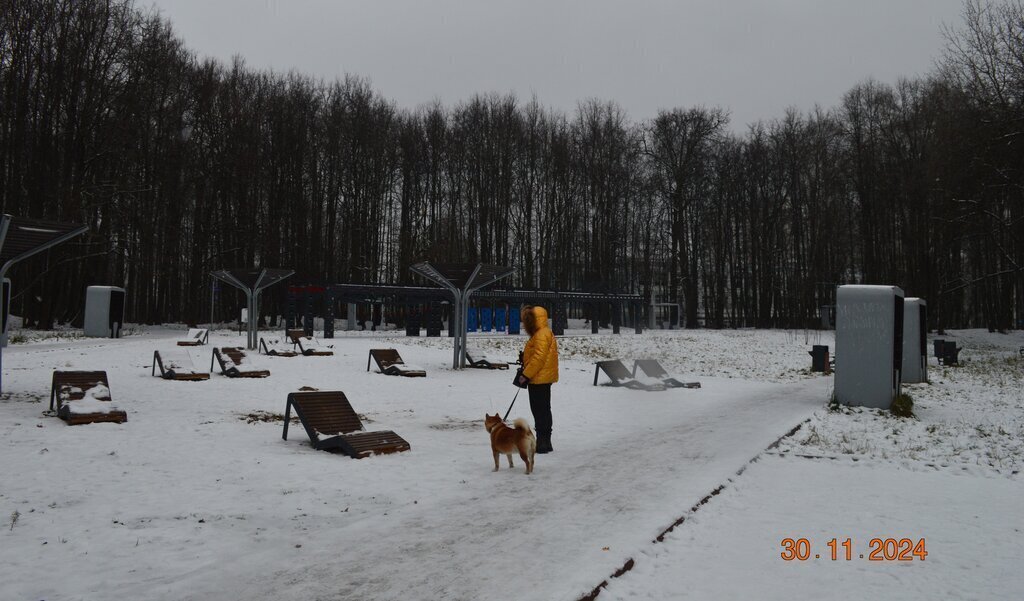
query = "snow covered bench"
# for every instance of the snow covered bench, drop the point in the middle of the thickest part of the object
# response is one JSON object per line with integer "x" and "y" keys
{"x": 232, "y": 360}
{"x": 308, "y": 345}
{"x": 276, "y": 348}
{"x": 83, "y": 397}
{"x": 390, "y": 363}
{"x": 485, "y": 362}
{"x": 620, "y": 376}
{"x": 195, "y": 337}
{"x": 332, "y": 425}
{"x": 652, "y": 369}
{"x": 176, "y": 366}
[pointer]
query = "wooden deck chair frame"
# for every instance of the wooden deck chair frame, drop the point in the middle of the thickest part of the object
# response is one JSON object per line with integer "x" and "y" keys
{"x": 386, "y": 364}
{"x": 296, "y": 337}
{"x": 204, "y": 338}
{"x": 234, "y": 372}
{"x": 273, "y": 352}
{"x": 170, "y": 374}
{"x": 332, "y": 425}
{"x": 653, "y": 369}
{"x": 83, "y": 380}
{"x": 484, "y": 363}
{"x": 619, "y": 375}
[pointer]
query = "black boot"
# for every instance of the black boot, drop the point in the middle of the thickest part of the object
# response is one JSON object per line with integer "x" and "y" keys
{"x": 544, "y": 443}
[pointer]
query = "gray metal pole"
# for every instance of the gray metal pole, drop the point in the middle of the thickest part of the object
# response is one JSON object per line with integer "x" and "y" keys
{"x": 465, "y": 330}
{"x": 453, "y": 324}
{"x": 213, "y": 294}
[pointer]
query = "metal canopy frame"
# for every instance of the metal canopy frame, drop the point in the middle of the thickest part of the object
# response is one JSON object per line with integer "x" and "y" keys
{"x": 251, "y": 282}
{"x": 22, "y": 238}
{"x": 461, "y": 280}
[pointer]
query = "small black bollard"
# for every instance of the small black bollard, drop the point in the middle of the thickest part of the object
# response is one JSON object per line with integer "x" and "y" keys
{"x": 819, "y": 358}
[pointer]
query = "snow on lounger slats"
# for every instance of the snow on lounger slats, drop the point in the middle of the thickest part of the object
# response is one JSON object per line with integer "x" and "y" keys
{"x": 232, "y": 362}
{"x": 83, "y": 397}
{"x": 176, "y": 365}
{"x": 195, "y": 337}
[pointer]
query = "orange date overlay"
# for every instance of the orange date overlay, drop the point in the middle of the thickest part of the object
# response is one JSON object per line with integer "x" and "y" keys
{"x": 879, "y": 549}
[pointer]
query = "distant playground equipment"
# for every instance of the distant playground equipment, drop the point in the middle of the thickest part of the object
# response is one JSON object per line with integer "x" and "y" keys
{"x": 22, "y": 238}
{"x": 464, "y": 298}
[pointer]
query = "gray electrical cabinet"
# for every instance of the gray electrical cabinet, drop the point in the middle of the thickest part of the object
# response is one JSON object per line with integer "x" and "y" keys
{"x": 104, "y": 311}
{"x": 869, "y": 345}
{"x": 915, "y": 341}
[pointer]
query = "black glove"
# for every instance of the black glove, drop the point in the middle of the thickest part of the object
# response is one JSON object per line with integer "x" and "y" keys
{"x": 520, "y": 380}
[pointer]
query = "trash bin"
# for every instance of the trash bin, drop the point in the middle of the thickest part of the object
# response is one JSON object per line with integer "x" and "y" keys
{"x": 819, "y": 358}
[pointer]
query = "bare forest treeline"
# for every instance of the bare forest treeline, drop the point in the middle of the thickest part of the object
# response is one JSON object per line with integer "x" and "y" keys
{"x": 180, "y": 165}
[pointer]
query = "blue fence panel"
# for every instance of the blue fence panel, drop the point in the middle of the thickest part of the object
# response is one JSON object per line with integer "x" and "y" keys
{"x": 499, "y": 319}
{"x": 471, "y": 320}
{"x": 513, "y": 322}
{"x": 485, "y": 319}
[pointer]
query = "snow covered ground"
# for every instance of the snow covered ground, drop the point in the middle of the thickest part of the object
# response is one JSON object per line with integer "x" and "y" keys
{"x": 198, "y": 497}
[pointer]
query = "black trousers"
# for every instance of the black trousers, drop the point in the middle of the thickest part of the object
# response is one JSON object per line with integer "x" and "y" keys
{"x": 540, "y": 404}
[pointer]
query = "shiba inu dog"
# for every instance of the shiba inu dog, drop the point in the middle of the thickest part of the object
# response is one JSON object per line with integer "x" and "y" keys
{"x": 505, "y": 440}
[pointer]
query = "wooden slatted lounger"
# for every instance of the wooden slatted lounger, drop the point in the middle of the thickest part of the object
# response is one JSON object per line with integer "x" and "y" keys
{"x": 83, "y": 397}
{"x": 620, "y": 376}
{"x": 485, "y": 363}
{"x": 273, "y": 349}
{"x": 195, "y": 337}
{"x": 332, "y": 425}
{"x": 308, "y": 345}
{"x": 653, "y": 369}
{"x": 176, "y": 367}
{"x": 235, "y": 358}
{"x": 390, "y": 363}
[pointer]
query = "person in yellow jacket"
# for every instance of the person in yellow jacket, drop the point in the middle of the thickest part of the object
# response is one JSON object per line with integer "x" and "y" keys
{"x": 539, "y": 371}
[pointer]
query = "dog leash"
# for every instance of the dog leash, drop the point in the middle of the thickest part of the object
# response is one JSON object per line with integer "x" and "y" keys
{"x": 513, "y": 403}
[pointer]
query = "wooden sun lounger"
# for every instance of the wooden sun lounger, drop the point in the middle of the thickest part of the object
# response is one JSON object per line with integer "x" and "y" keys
{"x": 620, "y": 376}
{"x": 69, "y": 387}
{"x": 653, "y": 369}
{"x": 173, "y": 368}
{"x": 390, "y": 363}
{"x": 195, "y": 337}
{"x": 308, "y": 346}
{"x": 237, "y": 357}
{"x": 484, "y": 363}
{"x": 273, "y": 351}
{"x": 332, "y": 425}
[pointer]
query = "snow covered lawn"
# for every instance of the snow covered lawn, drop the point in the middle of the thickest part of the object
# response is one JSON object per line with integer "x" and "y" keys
{"x": 198, "y": 497}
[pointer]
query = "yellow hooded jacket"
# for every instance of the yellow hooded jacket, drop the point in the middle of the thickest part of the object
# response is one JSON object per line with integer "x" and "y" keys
{"x": 540, "y": 357}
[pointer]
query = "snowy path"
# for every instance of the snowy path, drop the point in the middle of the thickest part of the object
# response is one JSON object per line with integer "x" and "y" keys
{"x": 543, "y": 535}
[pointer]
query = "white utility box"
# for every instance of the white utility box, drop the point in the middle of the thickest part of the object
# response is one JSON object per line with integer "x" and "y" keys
{"x": 869, "y": 345}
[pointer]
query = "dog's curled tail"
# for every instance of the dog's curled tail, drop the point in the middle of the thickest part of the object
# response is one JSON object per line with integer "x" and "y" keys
{"x": 521, "y": 424}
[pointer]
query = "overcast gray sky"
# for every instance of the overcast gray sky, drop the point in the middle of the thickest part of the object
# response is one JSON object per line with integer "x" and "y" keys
{"x": 754, "y": 57}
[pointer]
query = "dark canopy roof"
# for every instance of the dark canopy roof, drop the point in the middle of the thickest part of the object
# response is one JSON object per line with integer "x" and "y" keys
{"x": 251, "y": 279}
{"x": 462, "y": 276}
{"x": 26, "y": 237}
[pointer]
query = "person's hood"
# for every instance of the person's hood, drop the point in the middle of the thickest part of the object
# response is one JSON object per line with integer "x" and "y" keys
{"x": 540, "y": 317}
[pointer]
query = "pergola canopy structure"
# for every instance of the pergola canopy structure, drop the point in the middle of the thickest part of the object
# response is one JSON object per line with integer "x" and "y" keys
{"x": 461, "y": 280}
{"x": 20, "y": 238}
{"x": 251, "y": 282}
